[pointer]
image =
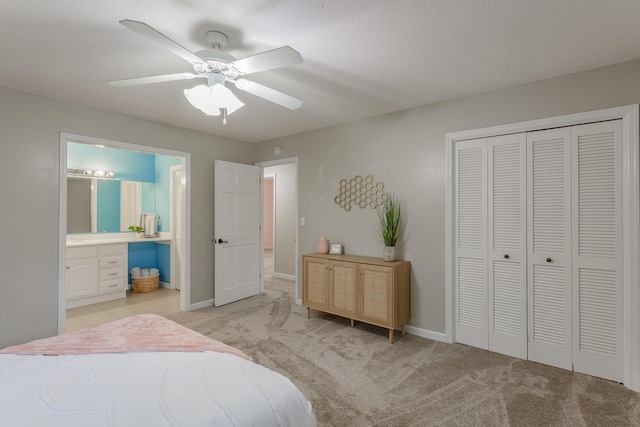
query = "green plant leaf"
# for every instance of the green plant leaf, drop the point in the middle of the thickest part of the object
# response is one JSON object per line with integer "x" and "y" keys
{"x": 389, "y": 215}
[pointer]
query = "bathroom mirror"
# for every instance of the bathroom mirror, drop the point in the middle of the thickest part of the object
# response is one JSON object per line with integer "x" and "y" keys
{"x": 107, "y": 206}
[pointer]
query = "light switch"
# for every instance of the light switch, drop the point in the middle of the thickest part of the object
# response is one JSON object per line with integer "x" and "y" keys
{"x": 301, "y": 220}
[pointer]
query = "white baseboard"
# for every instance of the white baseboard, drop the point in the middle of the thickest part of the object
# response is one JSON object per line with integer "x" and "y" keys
{"x": 299, "y": 302}
{"x": 284, "y": 276}
{"x": 425, "y": 333}
{"x": 201, "y": 304}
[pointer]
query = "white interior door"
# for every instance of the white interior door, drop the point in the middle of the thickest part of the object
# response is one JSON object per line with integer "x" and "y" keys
{"x": 237, "y": 231}
{"x": 507, "y": 278}
{"x": 597, "y": 249}
{"x": 549, "y": 247}
{"x": 471, "y": 242}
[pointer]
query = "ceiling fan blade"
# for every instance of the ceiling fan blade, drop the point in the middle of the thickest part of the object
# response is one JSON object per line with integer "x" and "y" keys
{"x": 269, "y": 94}
{"x": 276, "y": 58}
{"x": 164, "y": 41}
{"x": 153, "y": 79}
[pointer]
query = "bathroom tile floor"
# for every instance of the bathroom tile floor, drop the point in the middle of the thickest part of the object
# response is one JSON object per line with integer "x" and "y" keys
{"x": 163, "y": 302}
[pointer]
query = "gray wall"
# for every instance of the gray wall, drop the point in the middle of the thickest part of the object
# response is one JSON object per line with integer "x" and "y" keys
{"x": 30, "y": 129}
{"x": 406, "y": 151}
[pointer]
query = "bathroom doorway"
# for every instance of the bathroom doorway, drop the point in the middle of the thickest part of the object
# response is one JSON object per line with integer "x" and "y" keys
{"x": 163, "y": 160}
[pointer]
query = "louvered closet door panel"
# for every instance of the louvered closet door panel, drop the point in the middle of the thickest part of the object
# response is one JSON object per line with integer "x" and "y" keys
{"x": 471, "y": 232}
{"x": 549, "y": 247}
{"x": 597, "y": 242}
{"x": 507, "y": 245}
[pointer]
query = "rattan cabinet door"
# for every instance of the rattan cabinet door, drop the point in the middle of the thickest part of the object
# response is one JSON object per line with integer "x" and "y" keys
{"x": 344, "y": 277}
{"x": 376, "y": 287}
{"x": 315, "y": 289}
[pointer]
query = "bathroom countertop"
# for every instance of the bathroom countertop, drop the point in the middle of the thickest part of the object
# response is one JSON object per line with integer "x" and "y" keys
{"x": 105, "y": 240}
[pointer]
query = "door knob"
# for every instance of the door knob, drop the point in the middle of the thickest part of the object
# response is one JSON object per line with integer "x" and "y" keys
{"x": 221, "y": 241}
{"x": 549, "y": 260}
{"x": 506, "y": 256}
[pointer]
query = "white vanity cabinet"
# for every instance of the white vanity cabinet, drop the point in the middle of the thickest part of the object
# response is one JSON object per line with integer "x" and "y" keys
{"x": 96, "y": 273}
{"x": 82, "y": 277}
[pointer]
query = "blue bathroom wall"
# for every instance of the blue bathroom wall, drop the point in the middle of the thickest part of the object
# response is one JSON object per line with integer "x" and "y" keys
{"x": 163, "y": 261}
{"x": 108, "y": 215}
{"x": 128, "y": 165}
{"x": 163, "y": 189}
{"x": 150, "y": 255}
{"x": 148, "y": 197}
{"x": 142, "y": 254}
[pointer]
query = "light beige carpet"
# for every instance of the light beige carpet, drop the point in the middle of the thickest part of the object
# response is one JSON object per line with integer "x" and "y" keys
{"x": 354, "y": 377}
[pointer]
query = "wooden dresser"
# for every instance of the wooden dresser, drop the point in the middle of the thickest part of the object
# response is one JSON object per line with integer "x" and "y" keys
{"x": 360, "y": 288}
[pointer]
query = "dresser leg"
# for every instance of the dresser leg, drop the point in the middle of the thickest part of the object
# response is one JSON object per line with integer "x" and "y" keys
{"x": 353, "y": 323}
{"x": 390, "y": 335}
{"x": 403, "y": 325}
{"x": 308, "y": 312}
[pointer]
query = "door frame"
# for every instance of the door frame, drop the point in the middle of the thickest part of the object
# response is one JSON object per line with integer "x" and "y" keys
{"x": 272, "y": 177}
{"x": 630, "y": 211}
{"x": 296, "y": 261}
{"x": 185, "y": 158}
{"x": 173, "y": 249}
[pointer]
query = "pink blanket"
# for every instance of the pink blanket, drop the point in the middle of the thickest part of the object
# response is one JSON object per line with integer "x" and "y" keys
{"x": 143, "y": 332}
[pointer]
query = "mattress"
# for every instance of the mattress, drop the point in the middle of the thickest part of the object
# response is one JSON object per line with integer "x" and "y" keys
{"x": 146, "y": 388}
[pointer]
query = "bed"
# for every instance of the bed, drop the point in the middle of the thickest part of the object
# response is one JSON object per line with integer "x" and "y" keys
{"x": 144, "y": 370}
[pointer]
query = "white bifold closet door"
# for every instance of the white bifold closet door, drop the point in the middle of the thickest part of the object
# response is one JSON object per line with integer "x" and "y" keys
{"x": 471, "y": 243}
{"x": 597, "y": 249}
{"x": 491, "y": 261}
{"x": 549, "y": 255}
{"x": 507, "y": 245}
{"x": 538, "y": 246}
{"x": 574, "y": 259}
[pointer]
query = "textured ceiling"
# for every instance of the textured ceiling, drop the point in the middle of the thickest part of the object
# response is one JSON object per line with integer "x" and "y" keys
{"x": 362, "y": 58}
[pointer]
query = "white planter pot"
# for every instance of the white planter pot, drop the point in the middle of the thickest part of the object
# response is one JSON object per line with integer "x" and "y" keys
{"x": 389, "y": 253}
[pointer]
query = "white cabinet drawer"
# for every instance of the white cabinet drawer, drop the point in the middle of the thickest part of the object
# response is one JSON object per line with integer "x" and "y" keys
{"x": 113, "y": 273}
{"x": 82, "y": 252}
{"x": 113, "y": 285}
{"x": 113, "y": 261}
{"x": 114, "y": 249}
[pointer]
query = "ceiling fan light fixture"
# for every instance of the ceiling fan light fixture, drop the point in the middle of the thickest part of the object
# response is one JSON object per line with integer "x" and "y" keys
{"x": 218, "y": 67}
{"x": 211, "y": 99}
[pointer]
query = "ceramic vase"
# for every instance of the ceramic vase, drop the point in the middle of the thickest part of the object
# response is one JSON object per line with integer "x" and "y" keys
{"x": 389, "y": 253}
{"x": 323, "y": 245}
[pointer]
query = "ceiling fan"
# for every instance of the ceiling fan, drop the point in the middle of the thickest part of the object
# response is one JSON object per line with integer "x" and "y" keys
{"x": 213, "y": 97}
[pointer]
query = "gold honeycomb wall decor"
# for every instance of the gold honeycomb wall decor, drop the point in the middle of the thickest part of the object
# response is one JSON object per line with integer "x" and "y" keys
{"x": 361, "y": 191}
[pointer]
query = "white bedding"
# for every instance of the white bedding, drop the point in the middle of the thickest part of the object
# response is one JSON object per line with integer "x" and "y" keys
{"x": 146, "y": 389}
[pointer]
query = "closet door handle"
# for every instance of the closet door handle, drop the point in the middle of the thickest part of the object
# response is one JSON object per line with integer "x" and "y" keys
{"x": 549, "y": 260}
{"x": 506, "y": 256}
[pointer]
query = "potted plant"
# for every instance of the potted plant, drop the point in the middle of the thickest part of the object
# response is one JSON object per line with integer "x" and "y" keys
{"x": 138, "y": 230}
{"x": 389, "y": 214}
